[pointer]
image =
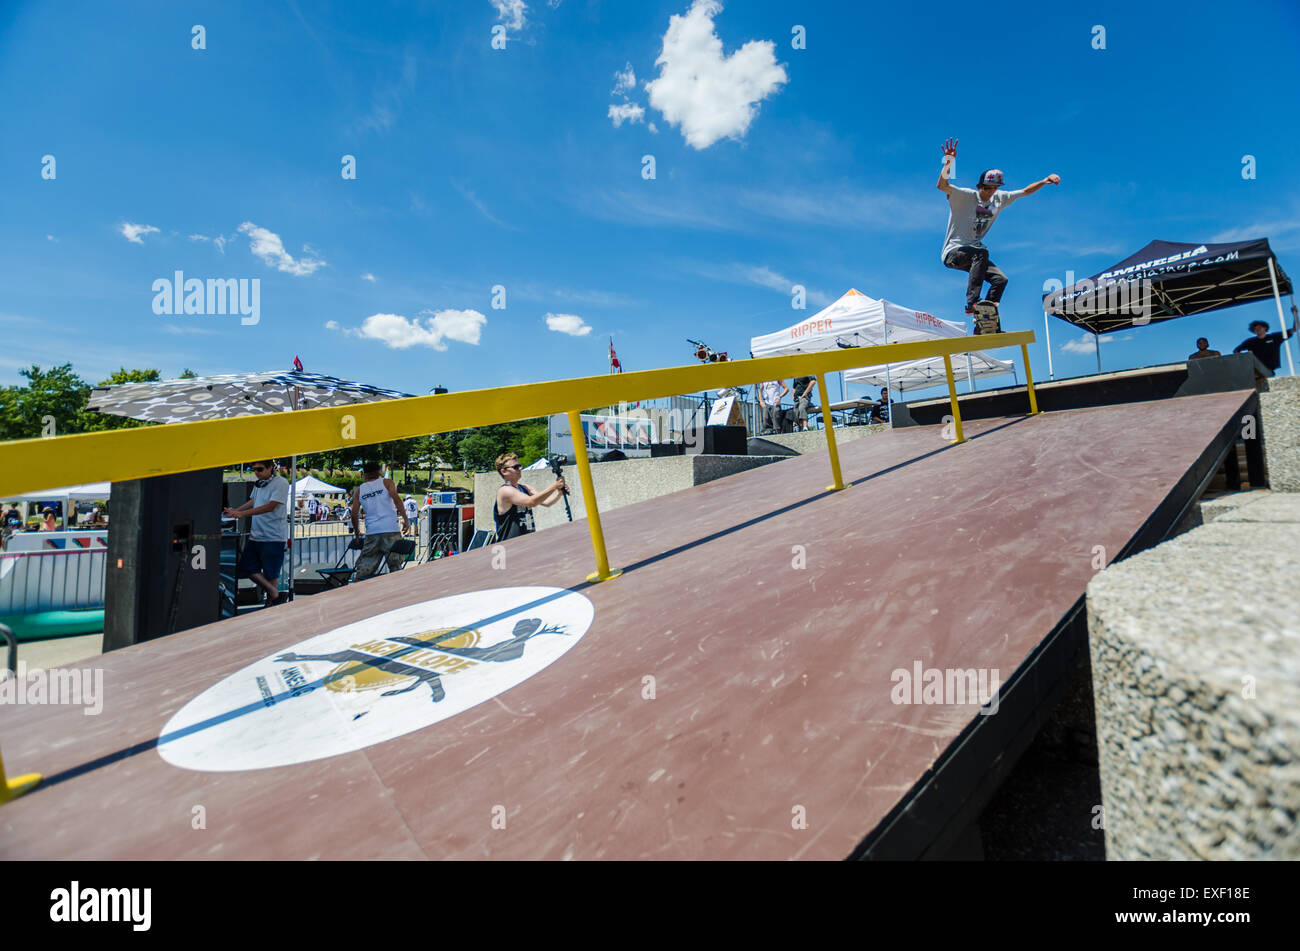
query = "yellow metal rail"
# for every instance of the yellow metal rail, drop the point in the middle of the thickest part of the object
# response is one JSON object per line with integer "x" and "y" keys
{"x": 33, "y": 464}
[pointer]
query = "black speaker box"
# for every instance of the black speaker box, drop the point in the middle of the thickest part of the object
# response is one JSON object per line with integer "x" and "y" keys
{"x": 717, "y": 441}
{"x": 164, "y": 557}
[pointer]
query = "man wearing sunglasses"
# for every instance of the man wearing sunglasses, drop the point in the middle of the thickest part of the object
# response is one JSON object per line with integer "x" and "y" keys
{"x": 971, "y": 213}
{"x": 263, "y": 554}
{"x": 515, "y": 501}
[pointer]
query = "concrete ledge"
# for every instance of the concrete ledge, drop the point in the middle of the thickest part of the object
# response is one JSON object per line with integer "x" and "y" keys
{"x": 616, "y": 483}
{"x": 1279, "y": 408}
{"x": 1195, "y": 650}
{"x": 1210, "y": 509}
{"x": 815, "y": 439}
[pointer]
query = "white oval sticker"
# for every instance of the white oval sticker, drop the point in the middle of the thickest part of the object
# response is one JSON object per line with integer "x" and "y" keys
{"x": 375, "y": 679}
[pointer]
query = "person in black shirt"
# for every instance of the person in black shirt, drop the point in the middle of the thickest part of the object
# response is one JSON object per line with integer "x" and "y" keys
{"x": 803, "y": 387}
{"x": 515, "y": 500}
{"x": 881, "y": 413}
{"x": 1267, "y": 347}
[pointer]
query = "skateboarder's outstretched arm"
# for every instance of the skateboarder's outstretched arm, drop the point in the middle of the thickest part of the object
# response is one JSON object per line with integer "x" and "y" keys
{"x": 949, "y": 156}
{"x": 1052, "y": 179}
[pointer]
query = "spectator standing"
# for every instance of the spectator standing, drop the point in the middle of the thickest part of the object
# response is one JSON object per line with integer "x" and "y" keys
{"x": 378, "y": 497}
{"x": 881, "y": 413}
{"x": 803, "y": 387}
{"x": 1267, "y": 347}
{"x": 1203, "y": 350}
{"x": 771, "y": 393}
{"x": 515, "y": 500}
{"x": 412, "y": 509}
{"x": 48, "y": 524}
{"x": 268, "y": 509}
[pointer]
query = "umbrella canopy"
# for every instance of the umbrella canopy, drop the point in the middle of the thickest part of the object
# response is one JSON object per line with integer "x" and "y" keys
{"x": 1184, "y": 279}
{"x": 855, "y": 320}
{"x": 232, "y": 394}
{"x": 919, "y": 374}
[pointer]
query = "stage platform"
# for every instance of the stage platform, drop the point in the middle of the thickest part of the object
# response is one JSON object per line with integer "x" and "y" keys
{"x": 732, "y": 695}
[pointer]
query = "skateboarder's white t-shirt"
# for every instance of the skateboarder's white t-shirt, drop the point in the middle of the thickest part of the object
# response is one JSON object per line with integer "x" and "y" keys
{"x": 970, "y": 219}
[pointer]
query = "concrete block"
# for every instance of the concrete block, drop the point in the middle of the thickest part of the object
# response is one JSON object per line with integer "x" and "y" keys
{"x": 1279, "y": 407}
{"x": 1195, "y": 649}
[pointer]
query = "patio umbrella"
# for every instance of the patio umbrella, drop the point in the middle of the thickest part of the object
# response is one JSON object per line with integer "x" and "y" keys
{"x": 235, "y": 394}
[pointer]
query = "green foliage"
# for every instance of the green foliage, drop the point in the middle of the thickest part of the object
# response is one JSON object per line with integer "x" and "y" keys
{"x": 188, "y": 374}
{"x": 57, "y": 392}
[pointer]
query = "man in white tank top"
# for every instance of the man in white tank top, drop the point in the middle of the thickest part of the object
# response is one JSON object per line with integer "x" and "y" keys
{"x": 378, "y": 497}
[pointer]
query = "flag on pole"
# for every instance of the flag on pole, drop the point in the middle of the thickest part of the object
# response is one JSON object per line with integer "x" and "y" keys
{"x": 297, "y": 364}
{"x": 614, "y": 365}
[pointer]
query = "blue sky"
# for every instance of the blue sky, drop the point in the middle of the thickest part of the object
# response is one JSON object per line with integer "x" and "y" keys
{"x": 478, "y": 167}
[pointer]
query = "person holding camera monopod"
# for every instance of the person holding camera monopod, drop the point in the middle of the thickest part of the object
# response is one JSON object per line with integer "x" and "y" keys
{"x": 515, "y": 500}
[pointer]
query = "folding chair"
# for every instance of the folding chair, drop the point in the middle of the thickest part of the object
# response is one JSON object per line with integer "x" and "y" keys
{"x": 404, "y": 547}
{"x": 341, "y": 574}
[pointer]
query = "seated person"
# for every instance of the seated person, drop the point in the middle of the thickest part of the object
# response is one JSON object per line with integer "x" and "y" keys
{"x": 1203, "y": 350}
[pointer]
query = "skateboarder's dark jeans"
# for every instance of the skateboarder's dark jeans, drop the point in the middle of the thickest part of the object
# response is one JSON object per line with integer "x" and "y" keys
{"x": 976, "y": 261}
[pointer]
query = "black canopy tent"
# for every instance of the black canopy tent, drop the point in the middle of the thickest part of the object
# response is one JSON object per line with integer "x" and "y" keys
{"x": 1166, "y": 280}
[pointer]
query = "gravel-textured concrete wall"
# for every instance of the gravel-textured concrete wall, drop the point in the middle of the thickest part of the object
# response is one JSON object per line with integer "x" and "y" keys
{"x": 815, "y": 439}
{"x": 616, "y": 483}
{"x": 1195, "y": 650}
{"x": 1279, "y": 408}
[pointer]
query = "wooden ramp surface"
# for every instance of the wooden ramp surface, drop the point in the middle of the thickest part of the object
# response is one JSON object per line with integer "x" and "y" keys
{"x": 771, "y": 683}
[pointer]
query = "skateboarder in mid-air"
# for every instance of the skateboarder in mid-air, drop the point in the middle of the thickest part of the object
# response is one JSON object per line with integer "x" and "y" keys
{"x": 971, "y": 213}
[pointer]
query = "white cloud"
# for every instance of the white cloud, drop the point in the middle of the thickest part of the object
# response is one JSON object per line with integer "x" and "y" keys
{"x": 1083, "y": 344}
{"x": 368, "y": 277}
{"x": 268, "y": 246}
{"x": 570, "y": 324}
{"x": 627, "y": 112}
{"x": 709, "y": 95}
{"x": 332, "y": 325}
{"x": 219, "y": 242}
{"x": 427, "y": 329}
{"x": 625, "y": 80}
{"x": 50, "y": 237}
{"x": 135, "y": 233}
{"x": 511, "y": 13}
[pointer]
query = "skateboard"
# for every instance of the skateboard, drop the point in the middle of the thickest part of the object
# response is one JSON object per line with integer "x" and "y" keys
{"x": 987, "y": 320}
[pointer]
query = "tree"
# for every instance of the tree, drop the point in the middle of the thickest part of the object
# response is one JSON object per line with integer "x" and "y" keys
{"x": 56, "y": 395}
{"x": 188, "y": 374}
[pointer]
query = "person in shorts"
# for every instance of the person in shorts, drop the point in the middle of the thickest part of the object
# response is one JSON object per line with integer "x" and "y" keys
{"x": 268, "y": 508}
{"x": 378, "y": 497}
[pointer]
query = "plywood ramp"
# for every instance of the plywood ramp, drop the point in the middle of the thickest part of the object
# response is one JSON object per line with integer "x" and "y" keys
{"x": 734, "y": 694}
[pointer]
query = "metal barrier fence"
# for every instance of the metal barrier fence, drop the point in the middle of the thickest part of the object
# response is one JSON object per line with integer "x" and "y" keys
{"x": 32, "y": 581}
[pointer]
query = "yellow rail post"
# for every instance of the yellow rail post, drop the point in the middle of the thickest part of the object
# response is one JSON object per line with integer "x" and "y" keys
{"x": 952, "y": 398}
{"x": 602, "y": 572}
{"x": 1029, "y": 378}
{"x": 13, "y": 788}
{"x": 830, "y": 434}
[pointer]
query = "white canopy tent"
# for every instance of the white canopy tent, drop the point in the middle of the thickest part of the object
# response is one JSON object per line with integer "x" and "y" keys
{"x": 315, "y": 486}
{"x": 89, "y": 490}
{"x": 920, "y": 374}
{"x": 856, "y": 320}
